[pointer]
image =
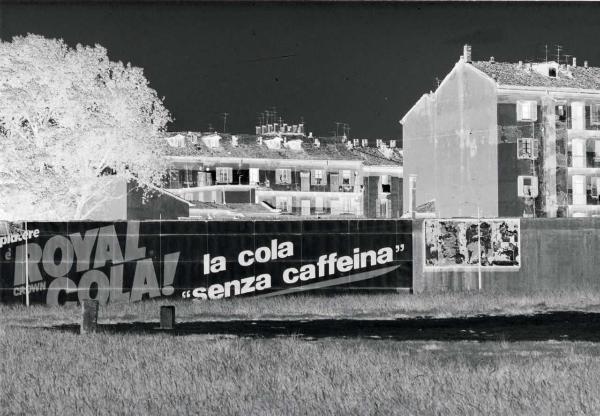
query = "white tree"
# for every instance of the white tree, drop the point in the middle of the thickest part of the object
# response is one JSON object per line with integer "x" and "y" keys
{"x": 67, "y": 117}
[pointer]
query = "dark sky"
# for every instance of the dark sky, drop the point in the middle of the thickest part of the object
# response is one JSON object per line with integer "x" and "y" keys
{"x": 363, "y": 64}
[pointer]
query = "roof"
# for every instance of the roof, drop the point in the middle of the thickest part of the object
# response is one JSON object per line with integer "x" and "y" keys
{"x": 249, "y": 146}
{"x": 514, "y": 74}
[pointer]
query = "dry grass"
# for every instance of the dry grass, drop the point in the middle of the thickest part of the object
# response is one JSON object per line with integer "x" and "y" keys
{"x": 50, "y": 373}
{"x": 367, "y": 306}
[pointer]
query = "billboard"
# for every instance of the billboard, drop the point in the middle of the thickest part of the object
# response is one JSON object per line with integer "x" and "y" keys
{"x": 63, "y": 262}
{"x": 471, "y": 243}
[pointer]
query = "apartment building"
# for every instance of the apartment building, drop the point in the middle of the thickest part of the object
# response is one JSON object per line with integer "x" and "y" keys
{"x": 508, "y": 140}
{"x": 288, "y": 174}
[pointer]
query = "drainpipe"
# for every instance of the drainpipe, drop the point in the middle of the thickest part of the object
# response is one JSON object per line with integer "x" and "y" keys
{"x": 412, "y": 195}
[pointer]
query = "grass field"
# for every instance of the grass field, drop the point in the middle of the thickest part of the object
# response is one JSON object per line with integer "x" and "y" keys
{"x": 48, "y": 373}
{"x": 51, "y": 372}
{"x": 365, "y": 306}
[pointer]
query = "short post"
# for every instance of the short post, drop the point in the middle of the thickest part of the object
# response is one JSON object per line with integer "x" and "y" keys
{"x": 167, "y": 317}
{"x": 89, "y": 316}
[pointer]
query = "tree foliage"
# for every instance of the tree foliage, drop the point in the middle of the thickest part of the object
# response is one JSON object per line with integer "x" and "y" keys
{"x": 68, "y": 117}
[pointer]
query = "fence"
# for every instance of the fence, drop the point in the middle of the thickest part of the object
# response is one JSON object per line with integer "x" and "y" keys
{"x": 60, "y": 262}
{"x": 544, "y": 254}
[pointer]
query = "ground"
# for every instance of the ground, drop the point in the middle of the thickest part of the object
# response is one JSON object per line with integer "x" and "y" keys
{"x": 45, "y": 371}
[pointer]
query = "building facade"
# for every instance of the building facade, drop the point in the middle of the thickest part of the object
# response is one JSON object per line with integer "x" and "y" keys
{"x": 508, "y": 140}
{"x": 288, "y": 174}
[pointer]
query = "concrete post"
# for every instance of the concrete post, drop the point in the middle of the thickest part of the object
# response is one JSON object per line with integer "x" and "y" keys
{"x": 89, "y": 316}
{"x": 167, "y": 317}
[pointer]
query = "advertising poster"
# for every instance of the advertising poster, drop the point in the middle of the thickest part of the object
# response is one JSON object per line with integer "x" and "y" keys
{"x": 205, "y": 260}
{"x": 465, "y": 243}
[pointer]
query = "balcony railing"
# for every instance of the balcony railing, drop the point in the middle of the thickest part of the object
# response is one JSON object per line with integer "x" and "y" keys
{"x": 590, "y": 160}
{"x": 590, "y": 200}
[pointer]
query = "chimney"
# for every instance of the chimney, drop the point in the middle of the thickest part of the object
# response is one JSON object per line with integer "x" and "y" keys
{"x": 574, "y": 62}
{"x": 492, "y": 60}
{"x": 585, "y": 64}
{"x": 467, "y": 53}
{"x": 520, "y": 64}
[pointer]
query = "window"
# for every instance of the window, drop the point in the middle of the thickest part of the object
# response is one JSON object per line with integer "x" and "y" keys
{"x": 384, "y": 210}
{"x": 528, "y": 186}
{"x": 305, "y": 207}
{"x": 579, "y": 190}
{"x": 595, "y": 114}
{"x": 578, "y": 153}
{"x": 254, "y": 177}
{"x": 561, "y": 113}
{"x": 578, "y": 115}
{"x": 224, "y": 175}
{"x": 188, "y": 178}
{"x": 283, "y": 176}
{"x": 319, "y": 204}
{"x": 174, "y": 178}
{"x": 527, "y": 148}
{"x": 595, "y": 187}
{"x": 385, "y": 184}
{"x": 284, "y": 203}
{"x": 318, "y": 177}
{"x": 526, "y": 111}
{"x": 346, "y": 174}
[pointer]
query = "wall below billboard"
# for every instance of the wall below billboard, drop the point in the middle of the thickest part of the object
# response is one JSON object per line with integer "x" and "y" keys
{"x": 58, "y": 263}
{"x": 554, "y": 254}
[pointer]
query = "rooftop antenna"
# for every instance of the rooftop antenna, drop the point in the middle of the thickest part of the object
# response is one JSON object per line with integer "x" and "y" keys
{"x": 210, "y": 128}
{"x": 274, "y": 113}
{"x": 558, "y": 49}
{"x": 224, "y": 121}
{"x": 337, "y": 126}
{"x": 546, "y": 48}
{"x": 346, "y": 130}
{"x": 567, "y": 58}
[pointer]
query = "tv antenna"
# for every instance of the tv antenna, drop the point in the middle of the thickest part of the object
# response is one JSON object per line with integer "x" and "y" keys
{"x": 337, "y": 126}
{"x": 546, "y": 49}
{"x": 346, "y": 130}
{"x": 558, "y": 49}
{"x": 224, "y": 115}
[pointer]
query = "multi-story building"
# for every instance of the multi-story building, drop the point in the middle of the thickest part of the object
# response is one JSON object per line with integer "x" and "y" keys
{"x": 291, "y": 174}
{"x": 507, "y": 139}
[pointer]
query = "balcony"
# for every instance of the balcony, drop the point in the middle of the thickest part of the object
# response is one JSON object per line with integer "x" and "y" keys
{"x": 592, "y": 202}
{"x": 589, "y": 161}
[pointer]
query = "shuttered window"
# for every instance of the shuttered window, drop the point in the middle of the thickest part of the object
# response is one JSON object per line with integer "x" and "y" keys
{"x": 283, "y": 176}
{"x": 318, "y": 177}
{"x": 526, "y": 110}
{"x": 224, "y": 175}
{"x": 527, "y": 148}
